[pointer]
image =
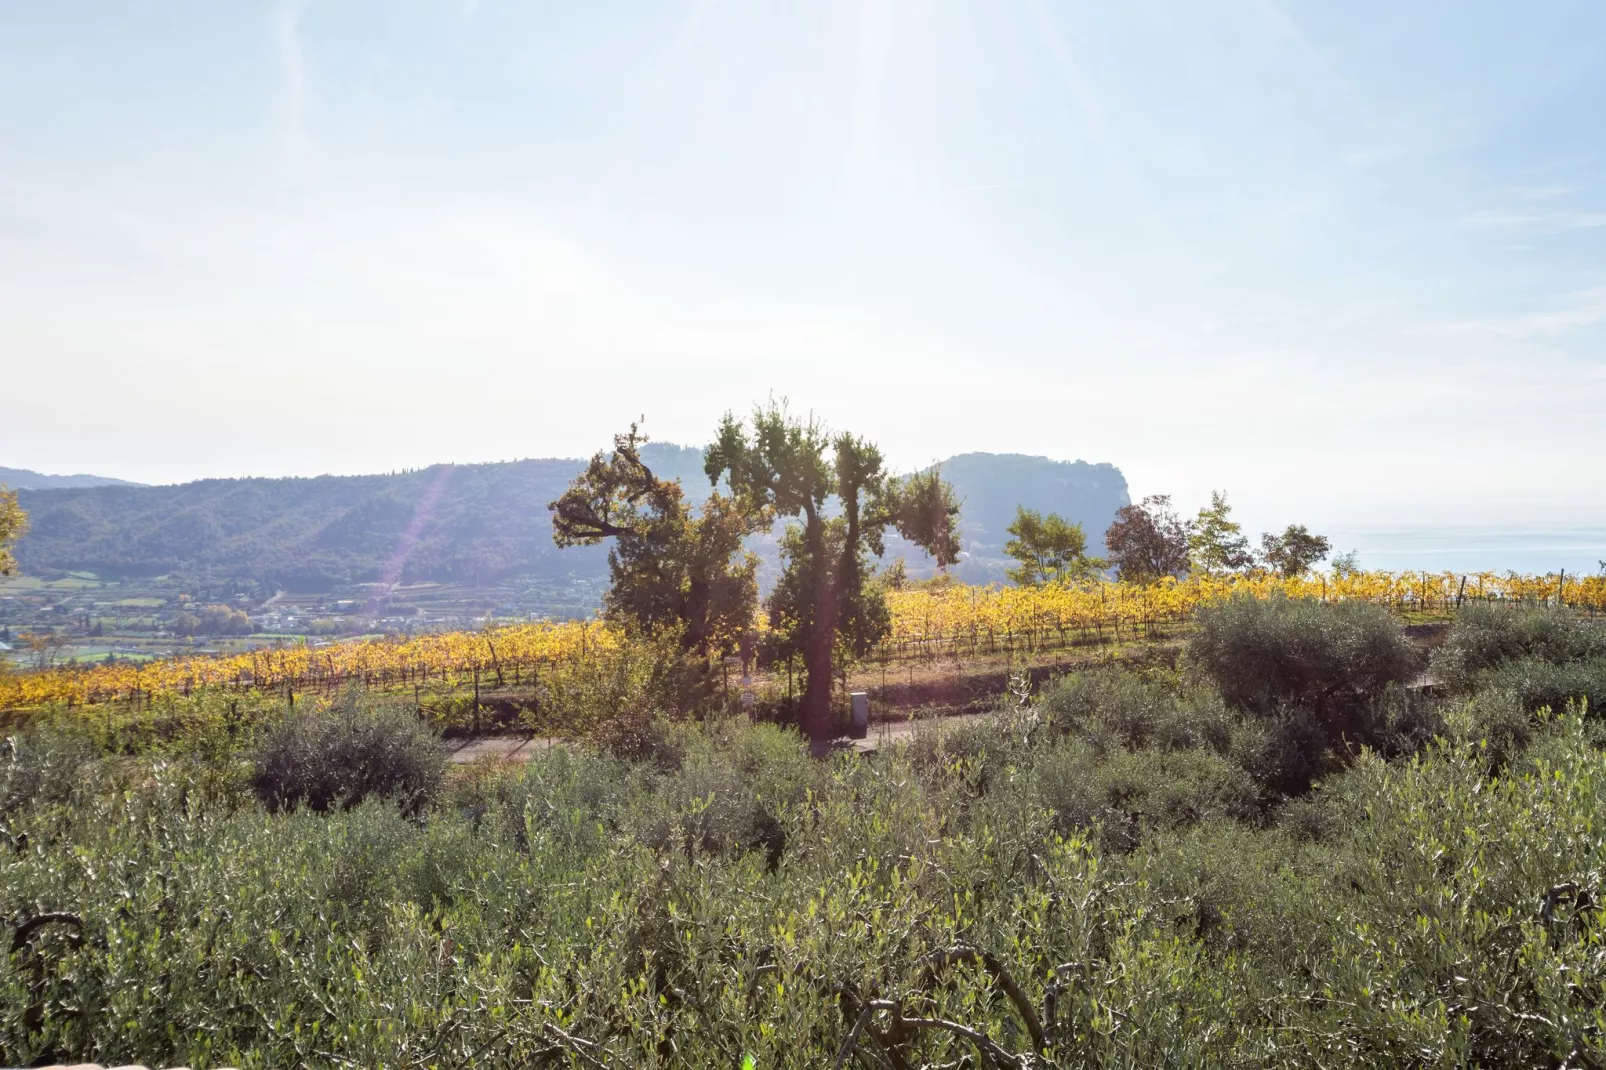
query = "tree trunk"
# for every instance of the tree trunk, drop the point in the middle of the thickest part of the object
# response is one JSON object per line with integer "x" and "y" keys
{"x": 694, "y": 637}
{"x": 817, "y": 691}
{"x": 818, "y": 649}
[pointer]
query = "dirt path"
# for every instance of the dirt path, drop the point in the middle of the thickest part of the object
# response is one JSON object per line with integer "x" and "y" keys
{"x": 520, "y": 748}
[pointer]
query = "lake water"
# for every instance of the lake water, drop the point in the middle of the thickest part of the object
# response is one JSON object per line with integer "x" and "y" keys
{"x": 1580, "y": 551}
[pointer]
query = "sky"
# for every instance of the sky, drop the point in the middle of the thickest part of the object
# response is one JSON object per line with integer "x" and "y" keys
{"x": 1345, "y": 260}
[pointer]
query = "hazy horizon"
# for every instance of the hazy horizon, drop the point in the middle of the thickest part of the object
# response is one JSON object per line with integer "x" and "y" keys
{"x": 1346, "y": 261}
{"x": 1492, "y": 546}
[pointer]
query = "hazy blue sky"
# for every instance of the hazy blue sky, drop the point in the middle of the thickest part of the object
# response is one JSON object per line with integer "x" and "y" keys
{"x": 1347, "y": 260}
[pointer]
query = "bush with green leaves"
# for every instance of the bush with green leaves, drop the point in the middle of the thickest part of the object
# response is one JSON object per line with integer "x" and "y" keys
{"x": 1124, "y": 795}
{"x": 733, "y": 783}
{"x": 1487, "y": 635}
{"x": 1435, "y": 910}
{"x": 1265, "y": 654}
{"x": 1539, "y": 684}
{"x": 339, "y": 755}
{"x": 44, "y": 763}
{"x": 624, "y": 699}
{"x": 1118, "y": 707}
{"x": 1317, "y": 680}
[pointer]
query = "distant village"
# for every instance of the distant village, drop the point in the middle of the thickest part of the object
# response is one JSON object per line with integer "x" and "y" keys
{"x": 79, "y": 617}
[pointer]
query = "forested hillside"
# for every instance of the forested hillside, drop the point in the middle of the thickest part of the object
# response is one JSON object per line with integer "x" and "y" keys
{"x": 992, "y": 485}
{"x": 27, "y": 479}
{"x": 478, "y": 522}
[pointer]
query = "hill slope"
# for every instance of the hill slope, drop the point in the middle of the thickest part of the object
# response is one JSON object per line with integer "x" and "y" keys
{"x": 991, "y": 485}
{"x": 452, "y": 522}
{"x": 26, "y": 479}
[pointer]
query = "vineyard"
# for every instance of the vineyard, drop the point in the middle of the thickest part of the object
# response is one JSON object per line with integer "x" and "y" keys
{"x": 926, "y": 621}
{"x": 987, "y": 618}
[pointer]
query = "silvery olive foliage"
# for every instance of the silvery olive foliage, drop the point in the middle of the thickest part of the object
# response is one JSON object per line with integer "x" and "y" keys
{"x": 1097, "y": 878}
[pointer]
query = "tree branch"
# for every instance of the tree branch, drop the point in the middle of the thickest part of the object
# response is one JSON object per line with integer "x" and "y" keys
{"x": 992, "y": 1053}
{"x": 965, "y": 953}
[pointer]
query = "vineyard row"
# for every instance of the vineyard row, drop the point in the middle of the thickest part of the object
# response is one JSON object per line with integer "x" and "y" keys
{"x": 953, "y": 617}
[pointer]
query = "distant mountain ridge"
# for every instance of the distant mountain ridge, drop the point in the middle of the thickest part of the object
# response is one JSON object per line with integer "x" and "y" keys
{"x": 992, "y": 485}
{"x": 471, "y": 522}
{"x": 26, "y": 479}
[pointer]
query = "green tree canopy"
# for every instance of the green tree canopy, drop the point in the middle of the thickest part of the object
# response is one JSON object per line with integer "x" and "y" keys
{"x": 1049, "y": 549}
{"x": 789, "y": 467}
{"x": 670, "y": 569}
{"x": 1294, "y": 552}
{"x": 1216, "y": 542}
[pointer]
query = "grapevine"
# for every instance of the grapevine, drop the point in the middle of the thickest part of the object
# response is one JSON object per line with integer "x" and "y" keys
{"x": 923, "y": 618}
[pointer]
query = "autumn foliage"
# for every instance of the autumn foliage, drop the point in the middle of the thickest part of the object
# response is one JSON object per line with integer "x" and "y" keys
{"x": 924, "y": 619}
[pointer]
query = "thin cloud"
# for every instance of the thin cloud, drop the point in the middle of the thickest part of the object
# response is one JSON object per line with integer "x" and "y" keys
{"x": 1557, "y": 221}
{"x": 1372, "y": 155}
{"x": 1575, "y": 311}
{"x": 292, "y": 66}
{"x": 1543, "y": 193}
{"x": 1311, "y": 58}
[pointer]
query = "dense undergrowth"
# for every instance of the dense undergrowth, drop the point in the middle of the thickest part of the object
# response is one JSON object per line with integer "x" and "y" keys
{"x": 1275, "y": 854}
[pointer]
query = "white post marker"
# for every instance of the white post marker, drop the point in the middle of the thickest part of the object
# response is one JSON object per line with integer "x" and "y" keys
{"x": 861, "y": 714}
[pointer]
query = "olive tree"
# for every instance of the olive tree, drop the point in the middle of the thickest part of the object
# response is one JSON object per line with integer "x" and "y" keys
{"x": 670, "y": 567}
{"x": 777, "y": 463}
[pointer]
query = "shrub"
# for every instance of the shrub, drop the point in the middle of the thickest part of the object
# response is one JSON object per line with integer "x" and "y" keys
{"x": 979, "y": 750}
{"x": 1128, "y": 793}
{"x": 647, "y": 678}
{"x": 1488, "y": 634}
{"x": 1418, "y": 913}
{"x": 733, "y": 782}
{"x": 1495, "y": 721}
{"x": 1285, "y": 751}
{"x": 1539, "y": 684}
{"x": 1117, "y": 707}
{"x": 1291, "y": 748}
{"x": 571, "y": 797}
{"x": 1499, "y": 720}
{"x": 636, "y": 735}
{"x": 1400, "y": 722}
{"x": 43, "y": 764}
{"x": 346, "y": 753}
{"x": 1235, "y": 887}
{"x": 1267, "y": 653}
